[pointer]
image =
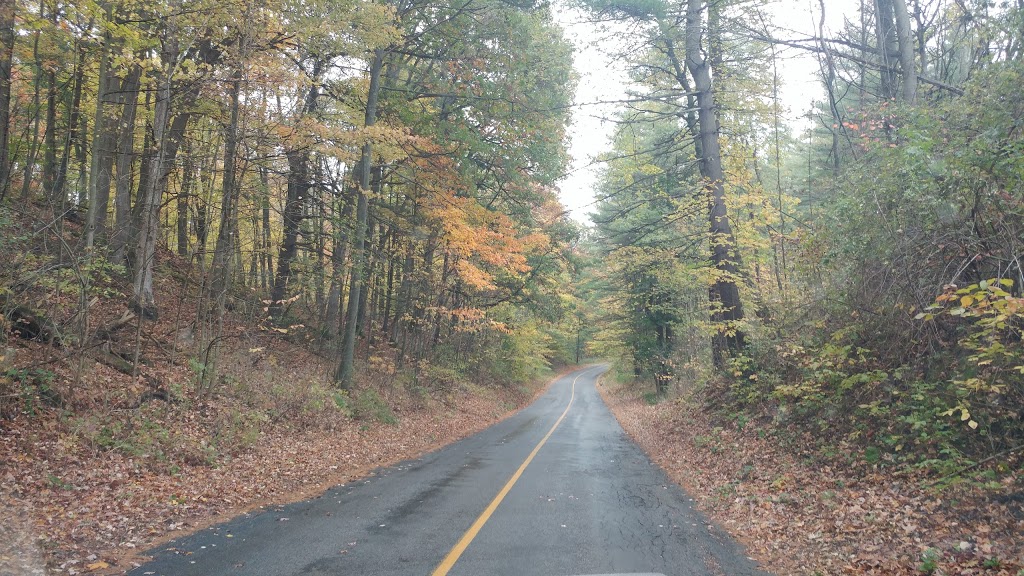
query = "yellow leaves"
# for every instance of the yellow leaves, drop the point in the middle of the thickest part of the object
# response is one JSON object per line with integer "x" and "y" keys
{"x": 965, "y": 416}
{"x": 100, "y": 565}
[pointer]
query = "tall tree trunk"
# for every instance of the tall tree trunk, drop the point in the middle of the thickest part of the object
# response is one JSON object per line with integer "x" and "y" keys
{"x": 223, "y": 252}
{"x": 33, "y": 151}
{"x": 338, "y": 257}
{"x": 317, "y": 209}
{"x": 103, "y": 142}
{"x": 345, "y": 372}
{"x": 905, "y": 38}
{"x": 389, "y": 290}
{"x": 828, "y": 72}
{"x": 167, "y": 138}
{"x": 297, "y": 190}
{"x": 128, "y": 100}
{"x": 727, "y": 310}
{"x": 885, "y": 32}
{"x": 187, "y": 180}
{"x": 74, "y": 133}
{"x": 50, "y": 140}
{"x": 151, "y": 191}
{"x": 267, "y": 265}
{"x": 399, "y": 326}
{"x": 7, "y": 36}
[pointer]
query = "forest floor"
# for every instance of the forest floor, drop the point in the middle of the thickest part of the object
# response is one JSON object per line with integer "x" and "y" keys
{"x": 803, "y": 512}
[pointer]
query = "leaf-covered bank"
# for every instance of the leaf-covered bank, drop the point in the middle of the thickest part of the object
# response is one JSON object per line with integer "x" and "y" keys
{"x": 76, "y": 505}
{"x": 804, "y": 511}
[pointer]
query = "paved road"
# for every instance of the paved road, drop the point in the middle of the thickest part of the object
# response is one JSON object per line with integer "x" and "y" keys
{"x": 588, "y": 502}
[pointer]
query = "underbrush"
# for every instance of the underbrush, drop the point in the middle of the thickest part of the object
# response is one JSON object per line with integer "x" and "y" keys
{"x": 803, "y": 502}
{"x": 957, "y": 409}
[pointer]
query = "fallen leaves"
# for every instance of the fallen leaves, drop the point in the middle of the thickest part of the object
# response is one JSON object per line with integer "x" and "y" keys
{"x": 798, "y": 513}
{"x": 81, "y": 504}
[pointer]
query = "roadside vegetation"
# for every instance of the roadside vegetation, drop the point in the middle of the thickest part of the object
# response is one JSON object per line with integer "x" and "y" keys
{"x": 250, "y": 249}
{"x": 314, "y": 237}
{"x": 824, "y": 328}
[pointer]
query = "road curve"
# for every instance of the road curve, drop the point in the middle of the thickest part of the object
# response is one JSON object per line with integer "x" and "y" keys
{"x": 588, "y": 501}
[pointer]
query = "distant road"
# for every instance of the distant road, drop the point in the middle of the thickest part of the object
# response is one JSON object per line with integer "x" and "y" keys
{"x": 557, "y": 489}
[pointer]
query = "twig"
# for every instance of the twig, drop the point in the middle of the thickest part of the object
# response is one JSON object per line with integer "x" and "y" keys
{"x": 975, "y": 465}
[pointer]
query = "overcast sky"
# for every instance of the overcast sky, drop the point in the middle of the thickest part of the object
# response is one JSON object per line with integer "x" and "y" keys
{"x": 603, "y": 81}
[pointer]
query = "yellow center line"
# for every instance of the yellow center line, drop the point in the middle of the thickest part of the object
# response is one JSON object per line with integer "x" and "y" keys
{"x": 453, "y": 556}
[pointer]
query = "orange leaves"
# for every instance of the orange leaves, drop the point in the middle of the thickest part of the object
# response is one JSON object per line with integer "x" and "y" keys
{"x": 483, "y": 243}
{"x": 474, "y": 276}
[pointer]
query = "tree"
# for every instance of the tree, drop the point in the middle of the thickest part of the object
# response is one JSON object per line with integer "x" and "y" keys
{"x": 7, "y": 36}
{"x": 727, "y": 310}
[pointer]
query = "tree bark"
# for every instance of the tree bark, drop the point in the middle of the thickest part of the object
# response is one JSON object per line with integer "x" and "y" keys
{"x": 885, "y": 32}
{"x": 50, "y": 139}
{"x": 727, "y": 310}
{"x": 227, "y": 233}
{"x": 103, "y": 142}
{"x": 905, "y": 38}
{"x": 267, "y": 265}
{"x": 187, "y": 182}
{"x": 151, "y": 191}
{"x": 33, "y": 151}
{"x": 167, "y": 138}
{"x": 128, "y": 100}
{"x": 345, "y": 372}
{"x": 7, "y": 37}
{"x": 297, "y": 190}
{"x": 338, "y": 257}
{"x": 74, "y": 132}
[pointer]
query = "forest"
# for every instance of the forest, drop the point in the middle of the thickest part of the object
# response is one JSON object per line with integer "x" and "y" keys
{"x": 319, "y": 225}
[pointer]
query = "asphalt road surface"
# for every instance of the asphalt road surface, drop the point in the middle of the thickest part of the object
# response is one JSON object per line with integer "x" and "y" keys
{"x": 555, "y": 490}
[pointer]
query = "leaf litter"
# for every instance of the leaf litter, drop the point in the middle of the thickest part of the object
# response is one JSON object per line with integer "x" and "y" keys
{"x": 800, "y": 513}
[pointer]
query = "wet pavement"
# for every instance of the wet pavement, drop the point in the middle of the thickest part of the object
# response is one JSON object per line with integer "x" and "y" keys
{"x": 588, "y": 502}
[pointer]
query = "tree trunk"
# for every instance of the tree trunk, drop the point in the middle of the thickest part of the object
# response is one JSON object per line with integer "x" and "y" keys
{"x": 30, "y": 162}
{"x": 267, "y": 265}
{"x": 297, "y": 189}
{"x": 338, "y": 257}
{"x": 128, "y": 99}
{"x": 345, "y": 372}
{"x": 151, "y": 191}
{"x": 885, "y": 32}
{"x": 388, "y": 293}
{"x": 50, "y": 139}
{"x": 103, "y": 142}
{"x": 187, "y": 180}
{"x": 223, "y": 252}
{"x": 399, "y": 326}
{"x": 74, "y": 134}
{"x": 727, "y": 310}
{"x": 7, "y": 36}
{"x": 167, "y": 138}
{"x": 905, "y": 38}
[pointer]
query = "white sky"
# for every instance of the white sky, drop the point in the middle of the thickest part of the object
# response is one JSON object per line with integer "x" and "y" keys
{"x": 604, "y": 80}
